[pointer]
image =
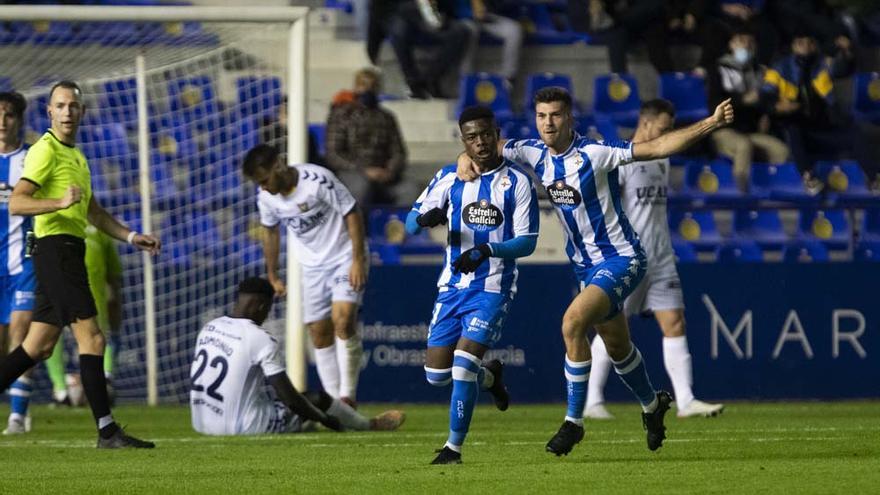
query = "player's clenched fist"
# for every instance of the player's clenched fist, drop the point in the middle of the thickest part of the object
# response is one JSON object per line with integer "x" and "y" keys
{"x": 724, "y": 113}
{"x": 432, "y": 218}
{"x": 278, "y": 286}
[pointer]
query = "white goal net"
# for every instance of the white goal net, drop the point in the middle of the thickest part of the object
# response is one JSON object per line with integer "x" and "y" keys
{"x": 213, "y": 90}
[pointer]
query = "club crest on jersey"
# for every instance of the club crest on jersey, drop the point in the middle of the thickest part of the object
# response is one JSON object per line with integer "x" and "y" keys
{"x": 563, "y": 195}
{"x": 482, "y": 216}
{"x": 505, "y": 183}
{"x": 303, "y": 207}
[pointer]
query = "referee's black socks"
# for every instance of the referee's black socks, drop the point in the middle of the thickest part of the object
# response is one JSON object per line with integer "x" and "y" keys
{"x": 15, "y": 364}
{"x": 91, "y": 368}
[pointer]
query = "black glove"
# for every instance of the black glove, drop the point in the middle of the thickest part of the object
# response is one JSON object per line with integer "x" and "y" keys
{"x": 332, "y": 422}
{"x": 431, "y": 218}
{"x": 471, "y": 259}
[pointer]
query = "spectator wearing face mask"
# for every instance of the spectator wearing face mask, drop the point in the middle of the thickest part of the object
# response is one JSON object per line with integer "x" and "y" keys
{"x": 737, "y": 76}
{"x": 799, "y": 89}
{"x": 364, "y": 146}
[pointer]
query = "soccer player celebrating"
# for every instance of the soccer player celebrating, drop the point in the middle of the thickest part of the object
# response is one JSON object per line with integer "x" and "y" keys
{"x": 581, "y": 177}
{"x": 643, "y": 190}
{"x": 55, "y": 187}
{"x": 492, "y": 221}
{"x": 17, "y": 273}
{"x": 234, "y": 356}
{"x": 326, "y": 227}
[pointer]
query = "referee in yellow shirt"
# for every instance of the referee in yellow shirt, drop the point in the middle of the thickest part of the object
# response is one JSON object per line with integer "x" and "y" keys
{"x": 55, "y": 188}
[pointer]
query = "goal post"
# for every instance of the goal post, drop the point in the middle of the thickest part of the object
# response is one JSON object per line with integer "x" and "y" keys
{"x": 133, "y": 75}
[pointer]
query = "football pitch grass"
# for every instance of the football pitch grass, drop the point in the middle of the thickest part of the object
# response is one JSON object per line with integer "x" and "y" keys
{"x": 810, "y": 447}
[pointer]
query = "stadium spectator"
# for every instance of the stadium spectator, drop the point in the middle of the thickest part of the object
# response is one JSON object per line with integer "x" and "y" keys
{"x": 55, "y": 187}
{"x": 643, "y": 188}
{"x": 475, "y": 293}
{"x": 365, "y": 148}
{"x": 799, "y": 89}
{"x": 273, "y": 131}
{"x": 233, "y": 401}
{"x": 738, "y": 76}
{"x": 327, "y": 229}
{"x": 659, "y": 23}
{"x": 17, "y": 279}
{"x": 479, "y": 16}
{"x": 731, "y": 17}
{"x": 407, "y": 22}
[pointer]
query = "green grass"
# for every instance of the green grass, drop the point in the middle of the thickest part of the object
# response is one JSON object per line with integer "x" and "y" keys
{"x": 803, "y": 447}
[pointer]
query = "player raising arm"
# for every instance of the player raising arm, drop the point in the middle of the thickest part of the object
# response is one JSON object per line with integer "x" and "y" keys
{"x": 492, "y": 221}
{"x": 326, "y": 227}
{"x": 234, "y": 355}
{"x": 581, "y": 178}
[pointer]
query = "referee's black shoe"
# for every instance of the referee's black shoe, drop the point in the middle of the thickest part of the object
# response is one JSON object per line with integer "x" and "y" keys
{"x": 653, "y": 421}
{"x": 498, "y": 390}
{"x": 119, "y": 440}
{"x": 566, "y": 438}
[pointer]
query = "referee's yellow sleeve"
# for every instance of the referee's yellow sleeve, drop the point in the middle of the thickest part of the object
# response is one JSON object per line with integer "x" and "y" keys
{"x": 38, "y": 163}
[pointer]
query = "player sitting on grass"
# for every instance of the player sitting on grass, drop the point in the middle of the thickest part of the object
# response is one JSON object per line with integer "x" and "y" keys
{"x": 492, "y": 221}
{"x": 233, "y": 356}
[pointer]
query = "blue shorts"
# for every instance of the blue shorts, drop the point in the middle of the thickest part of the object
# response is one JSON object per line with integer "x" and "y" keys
{"x": 17, "y": 293}
{"x": 618, "y": 277}
{"x": 469, "y": 313}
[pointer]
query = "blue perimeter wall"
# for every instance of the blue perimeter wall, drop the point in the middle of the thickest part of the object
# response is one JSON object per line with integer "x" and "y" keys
{"x": 756, "y": 331}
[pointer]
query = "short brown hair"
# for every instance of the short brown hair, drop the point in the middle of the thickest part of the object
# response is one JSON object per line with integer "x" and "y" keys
{"x": 67, "y": 85}
{"x": 554, "y": 93}
{"x": 17, "y": 100}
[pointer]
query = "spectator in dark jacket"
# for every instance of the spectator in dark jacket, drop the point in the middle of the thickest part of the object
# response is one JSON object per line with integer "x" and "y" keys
{"x": 365, "y": 148}
{"x": 737, "y": 76}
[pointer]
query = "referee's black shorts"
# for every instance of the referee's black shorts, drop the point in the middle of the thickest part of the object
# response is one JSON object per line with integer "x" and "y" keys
{"x": 63, "y": 295}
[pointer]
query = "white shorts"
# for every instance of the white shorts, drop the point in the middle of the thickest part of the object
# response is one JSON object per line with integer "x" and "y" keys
{"x": 655, "y": 293}
{"x": 284, "y": 421}
{"x": 322, "y": 287}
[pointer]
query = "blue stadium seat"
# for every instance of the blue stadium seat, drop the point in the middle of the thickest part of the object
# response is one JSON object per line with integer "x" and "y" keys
{"x": 195, "y": 231}
{"x": 519, "y": 128}
{"x": 6, "y": 84}
{"x": 617, "y": 97}
{"x": 596, "y": 126}
{"x": 740, "y": 251}
{"x": 259, "y": 96}
{"x": 389, "y": 241}
{"x": 804, "y": 251}
{"x": 344, "y": 5}
{"x": 684, "y": 252}
{"x": 171, "y": 138}
{"x": 193, "y": 97}
{"x": 540, "y": 80}
{"x": 544, "y": 26}
{"x": 866, "y": 97}
{"x": 779, "y": 182}
{"x": 696, "y": 227}
{"x": 830, "y": 227}
{"x": 870, "y": 230}
{"x": 711, "y": 182}
{"x": 761, "y": 226}
{"x": 867, "y": 251}
{"x": 15, "y": 33}
{"x": 52, "y": 33}
{"x": 485, "y": 89}
{"x": 688, "y": 93}
{"x": 844, "y": 179}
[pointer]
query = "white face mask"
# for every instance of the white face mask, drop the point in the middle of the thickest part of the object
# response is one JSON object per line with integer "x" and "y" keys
{"x": 742, "y": 55}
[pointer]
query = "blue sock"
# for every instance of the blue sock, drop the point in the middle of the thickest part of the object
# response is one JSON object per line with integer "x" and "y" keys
{"x": 577, "y": 374}
{"x": 20, "y": 395}
{"x": 634, "y": 375}
{"x": 438, "y": 377}
{"x": 465, "y": 368}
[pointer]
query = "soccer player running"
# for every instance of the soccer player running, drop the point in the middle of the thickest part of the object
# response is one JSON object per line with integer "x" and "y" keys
{"x": 492, "y": 220}
{"x": 55, "y": 187}
{"x": 233, "y": 358}
{"x": 325, "y": 225}
{"x": 17, "y": 279}
{"x": 643, "y": 190}
{"x": 581, "y": 177}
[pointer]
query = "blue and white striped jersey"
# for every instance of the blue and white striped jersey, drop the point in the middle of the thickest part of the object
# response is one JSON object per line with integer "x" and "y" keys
{"x": 496, "y": 207}
{"x": 583, "y": 186}
{"x": 12, "y": 227}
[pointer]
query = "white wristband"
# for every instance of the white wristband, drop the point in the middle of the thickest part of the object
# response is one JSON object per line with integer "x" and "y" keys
{"x": 130, "y": 237}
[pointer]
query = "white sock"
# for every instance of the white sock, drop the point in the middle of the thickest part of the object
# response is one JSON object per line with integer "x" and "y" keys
{"x": 328, "y": 370}
{"x": 677, "y": 359}
{"x": 453, "y": 447}
{"x": 488, "y": 378}
{"x": 105, "y": 421}
{"x": 349, "y": 353}
{"x": 350, "y": 419}
{"x": 599, "y": 372}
